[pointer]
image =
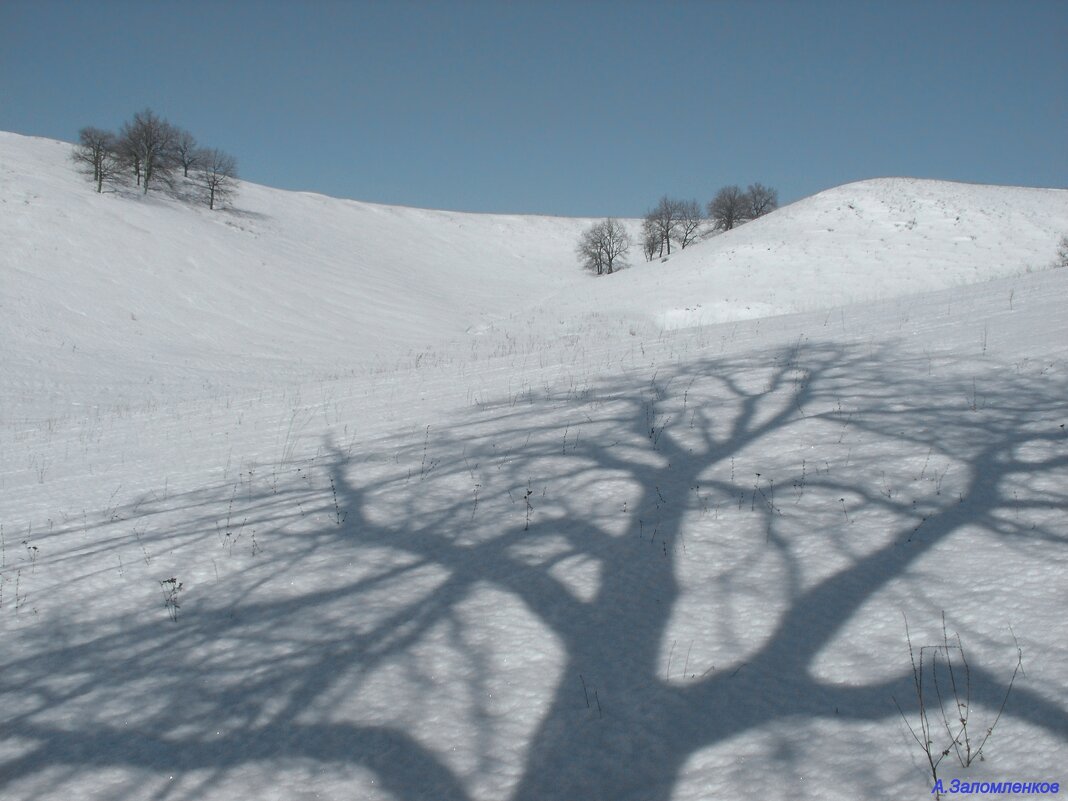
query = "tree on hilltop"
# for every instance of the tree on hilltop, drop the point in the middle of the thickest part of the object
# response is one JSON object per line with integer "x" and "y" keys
{"x": 186, "y": 151}
{"x": 760, "y": 200}
{"x": 96, "y": 154}
{"x": 148, "y": 145}
{"x": 217, "y": 176}
{"x": 728, "y": 208}
{"x": 150, "y": 150}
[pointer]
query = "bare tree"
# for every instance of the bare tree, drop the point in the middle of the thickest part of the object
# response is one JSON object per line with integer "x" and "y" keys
{"x": 153, "y": 149}
{"x": 728, "y": 208}
{"x": 760, "y": 200}
{"x": 186, "y": 151}
{"x": 96, "y": 153}
{"x": 690, "y": 220}
{"x": 129, "y": 155}
{"x": 218, "y": 176}
{"x": 662, "y": 221}
{"x": 603, "y": 247}
{"x": 147, "y": 144}
{"x": 652, "y": 241}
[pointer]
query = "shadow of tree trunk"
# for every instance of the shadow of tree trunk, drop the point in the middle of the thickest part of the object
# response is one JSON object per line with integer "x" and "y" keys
{"x": 234, "y": 683}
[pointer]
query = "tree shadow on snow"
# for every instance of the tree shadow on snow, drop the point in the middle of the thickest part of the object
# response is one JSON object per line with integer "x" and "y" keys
{"x": 629, "y": 479}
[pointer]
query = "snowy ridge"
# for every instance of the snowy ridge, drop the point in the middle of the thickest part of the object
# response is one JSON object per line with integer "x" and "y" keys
{"x": 869, "y": 240}
{"x": 336, "y": 283}
{"x": 388, "y": 503}
{"x": 286, "y": 276}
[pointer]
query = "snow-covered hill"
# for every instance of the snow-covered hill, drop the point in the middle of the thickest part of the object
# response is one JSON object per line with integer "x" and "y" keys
{"x": 318, "y": 499}
{"x": 117, "y": 287}
{"x": 153, "y": 287}
{"x": 872, "y": 240}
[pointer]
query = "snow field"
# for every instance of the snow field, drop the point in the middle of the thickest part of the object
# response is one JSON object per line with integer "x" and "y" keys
{"x": 572, "y": 556}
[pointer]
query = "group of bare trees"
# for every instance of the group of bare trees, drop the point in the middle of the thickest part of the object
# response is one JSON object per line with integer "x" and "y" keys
{"x": 680, "y": 221}
{"x": 148, "y": 152}
{"x": 670, "y": 221}
{"x": 731, "y": 206}
{"x": 603, "y": 247}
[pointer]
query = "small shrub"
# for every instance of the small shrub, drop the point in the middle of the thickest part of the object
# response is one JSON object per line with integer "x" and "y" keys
{"x": 171, "y": 588}
{"x": 944, "y": 715}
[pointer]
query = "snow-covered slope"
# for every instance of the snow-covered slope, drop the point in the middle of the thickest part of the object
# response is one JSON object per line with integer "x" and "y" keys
{"x": 869, "y": 240}
{"x": 318, "y": 499}
{"x": 118, "y": 287}
{"x": 118, "y": 284}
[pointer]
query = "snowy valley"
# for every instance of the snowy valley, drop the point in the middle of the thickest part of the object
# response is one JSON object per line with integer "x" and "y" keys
{"x": 321, "y": 499}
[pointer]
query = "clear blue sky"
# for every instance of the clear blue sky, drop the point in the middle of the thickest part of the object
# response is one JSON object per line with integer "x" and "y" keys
{"x": 575, "y": 108}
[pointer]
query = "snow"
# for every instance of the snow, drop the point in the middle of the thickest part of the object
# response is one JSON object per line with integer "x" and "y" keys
{"x": 452, "y": 519}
